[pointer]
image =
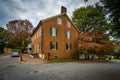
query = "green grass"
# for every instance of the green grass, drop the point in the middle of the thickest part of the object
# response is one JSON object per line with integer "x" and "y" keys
{"x": 61, "y": 60}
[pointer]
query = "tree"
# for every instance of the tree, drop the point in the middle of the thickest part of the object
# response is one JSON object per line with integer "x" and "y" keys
{"x": 17, "y": 32}
{"x": 1, "y": 40}
{"x": 1, "y": 33}
{"x": 111, "y": 8}
{"x": 95, "y": 43}
{"x": 117, "y": 49}
{"x": 90, "y": 18}
{"x": 22, "y": 48}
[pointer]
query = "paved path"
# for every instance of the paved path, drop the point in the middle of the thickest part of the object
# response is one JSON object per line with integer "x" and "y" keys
{"x": 3, "y": 56}
{"x": 11, "y": 69}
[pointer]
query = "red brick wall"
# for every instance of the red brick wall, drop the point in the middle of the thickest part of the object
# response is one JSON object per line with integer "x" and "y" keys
{"x": 60, "y": 38}
{"x": 36, "y": 39}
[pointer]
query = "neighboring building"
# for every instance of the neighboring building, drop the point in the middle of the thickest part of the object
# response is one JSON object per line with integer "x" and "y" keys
{"x": 55, "y": 36}
{"x": 29, "y": 48}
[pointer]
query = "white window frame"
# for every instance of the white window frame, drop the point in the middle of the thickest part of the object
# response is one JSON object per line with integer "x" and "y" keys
{"x": 53, "y": 31}
{"x": 68, "y": 46}
{"x": 40, "y": 45}
{"x": 59, "y": 21}
{"x": 68, "y": 34}
{"x": 40, "y": 31}
{"x": 68, "y": 24}
{"x": 53, "y": 44}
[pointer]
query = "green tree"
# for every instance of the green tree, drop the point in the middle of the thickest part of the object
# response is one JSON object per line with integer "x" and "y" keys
{"x": 1, "y": 40}
{"x": 22, "y": 48}
{"x": 1, "y": 33}
{"x": 111, "y": 8}
{"x": 90, "y": 18}
{"x": 17, "y": 32}
{"x": 117, "y": 49}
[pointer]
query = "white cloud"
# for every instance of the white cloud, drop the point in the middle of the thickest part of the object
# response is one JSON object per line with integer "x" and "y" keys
{"x": 35, "y": 10}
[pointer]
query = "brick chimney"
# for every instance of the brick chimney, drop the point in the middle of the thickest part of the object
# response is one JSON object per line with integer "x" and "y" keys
{"x": 63, "y": 9}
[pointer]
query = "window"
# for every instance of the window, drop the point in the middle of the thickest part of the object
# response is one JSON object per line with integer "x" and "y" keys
{"x": 68, "y": 34}
{"x": 59, "y": 21}
{"x": 68, "y": 24}
{"x": 37, "y": 34}
{"x": 40, "y": 32}
{"x": 68, "y": 46}
{"x": 30, "y": 49}
{"x": 53, "y": 31}
{"x": 40, "y": 45}
{"x": 53, "y": 45}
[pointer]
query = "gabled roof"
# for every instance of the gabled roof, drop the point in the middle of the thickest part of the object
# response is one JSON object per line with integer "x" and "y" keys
{"x": 50, "y": 18}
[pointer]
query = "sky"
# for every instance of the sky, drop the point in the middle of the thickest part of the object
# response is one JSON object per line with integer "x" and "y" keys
{"x": 36, "y": 10}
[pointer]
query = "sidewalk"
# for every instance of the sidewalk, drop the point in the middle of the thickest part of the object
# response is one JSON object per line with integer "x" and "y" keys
{"x": 27, "y": 59}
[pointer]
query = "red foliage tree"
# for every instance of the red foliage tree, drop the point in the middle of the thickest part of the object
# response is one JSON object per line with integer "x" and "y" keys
{"x": 95, "y": 43}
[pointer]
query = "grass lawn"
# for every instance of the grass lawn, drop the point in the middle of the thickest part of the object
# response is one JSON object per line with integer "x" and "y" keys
{"x": 61, "y": 60}
{"x": 57, "y": 60}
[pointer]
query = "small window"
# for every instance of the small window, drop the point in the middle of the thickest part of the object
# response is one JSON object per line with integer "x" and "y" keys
{"x": 68, "y": 24}
{"x": 30, "y": 49}
{"x": 40, "y": 32}
{"x": 68, "y": 46}
{"x": 37, "y": 34}
{"x": 59, "y": 21}
{"x": 68, "y": 34}
{"x": 53, "y": 45}
{"x": 40, "y": 45}
{"x": 53, "y": 31}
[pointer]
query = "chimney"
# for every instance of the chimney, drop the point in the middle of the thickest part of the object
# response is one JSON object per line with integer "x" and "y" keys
{"x": 63, "y": 9}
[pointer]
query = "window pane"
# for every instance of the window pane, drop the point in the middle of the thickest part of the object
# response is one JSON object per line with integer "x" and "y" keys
{"x": 53, "y": 45}
{"x": 53, "y": 31}
{"x": 59, "y": 21}
{"x": 68, "y": 34}
{"x": 40, "y": 32}
{"x": 68, "y": 24}
{"x": 68, "y": 46}
{"x": 40, "y": 45}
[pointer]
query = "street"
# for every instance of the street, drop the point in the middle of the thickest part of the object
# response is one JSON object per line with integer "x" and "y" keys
{"x": 12, "y": 69}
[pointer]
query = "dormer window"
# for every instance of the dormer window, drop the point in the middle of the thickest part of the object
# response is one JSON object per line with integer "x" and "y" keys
{"x": 68, "y": 24}
{"x": 59, "y": 21}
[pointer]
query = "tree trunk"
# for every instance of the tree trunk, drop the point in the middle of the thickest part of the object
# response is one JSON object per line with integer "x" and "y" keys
{"x": 92, "y": 57}
{"x": 99, "y": 56}
{"x": 85, "y": 56}
{"x": 88, "y": 57}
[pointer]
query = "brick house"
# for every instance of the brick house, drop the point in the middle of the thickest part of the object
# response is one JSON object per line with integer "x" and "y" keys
{"x": 55, "y": 36}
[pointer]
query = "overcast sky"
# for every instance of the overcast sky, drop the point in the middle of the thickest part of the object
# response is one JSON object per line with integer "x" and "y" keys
{"x": 35, "y": 10}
